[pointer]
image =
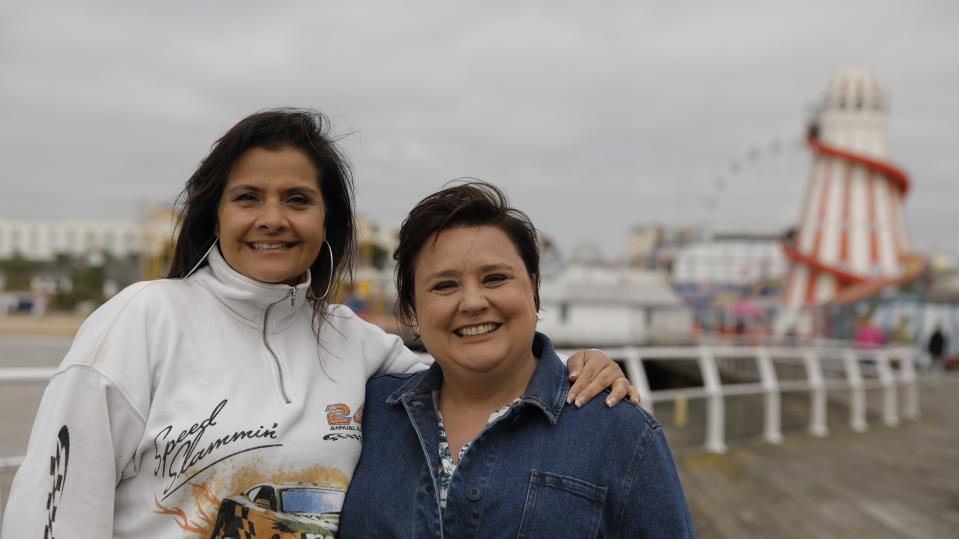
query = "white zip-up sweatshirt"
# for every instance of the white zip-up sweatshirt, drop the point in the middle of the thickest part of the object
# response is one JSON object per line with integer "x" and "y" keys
{"x": 201, "y": 407}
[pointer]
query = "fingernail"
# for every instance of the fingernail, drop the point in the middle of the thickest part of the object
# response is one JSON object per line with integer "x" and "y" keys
{"x": 579, "y": 402}
{"x": 574, "y": 374}
{"x": 609, "y": 403}
{"x": 569, "y": 399}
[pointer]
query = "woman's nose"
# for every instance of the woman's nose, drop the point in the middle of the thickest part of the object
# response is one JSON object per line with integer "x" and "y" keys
{"x": 271, "y": 216}
{"x": 473, "y": 299}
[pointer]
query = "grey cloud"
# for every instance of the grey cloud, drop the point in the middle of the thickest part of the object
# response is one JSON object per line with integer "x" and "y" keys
{"x": 593, "y": 117}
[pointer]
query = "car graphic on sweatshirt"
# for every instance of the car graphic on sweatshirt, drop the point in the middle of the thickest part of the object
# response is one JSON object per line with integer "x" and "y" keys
{"x": 281, "y": 511}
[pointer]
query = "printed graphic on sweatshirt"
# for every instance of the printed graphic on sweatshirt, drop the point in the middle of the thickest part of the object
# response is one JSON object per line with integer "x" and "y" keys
{"x": 262, "y": 503}
{"x": 183, "y": 452}
{"x": 59, "y": 463}
{"x": 281, "y": 510}
{"x": 344, "y": 424}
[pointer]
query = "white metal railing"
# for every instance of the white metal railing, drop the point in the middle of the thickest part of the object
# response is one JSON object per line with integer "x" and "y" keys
{"x": 14, "y": 375}
{"x": 891, "y": 370}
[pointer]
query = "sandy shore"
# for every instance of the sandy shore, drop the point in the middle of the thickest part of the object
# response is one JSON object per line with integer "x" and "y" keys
{"x": 53, "y": 324}
{"x": 66, "y": 325}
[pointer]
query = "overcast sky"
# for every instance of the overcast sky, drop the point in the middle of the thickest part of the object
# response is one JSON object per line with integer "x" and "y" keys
{"x": 594, "y": 117}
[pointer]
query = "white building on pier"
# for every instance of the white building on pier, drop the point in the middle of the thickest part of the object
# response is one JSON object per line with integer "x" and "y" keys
{"x": 44, "y": 240}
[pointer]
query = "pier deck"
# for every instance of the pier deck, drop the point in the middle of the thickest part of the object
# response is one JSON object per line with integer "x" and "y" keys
{"x": 887, "y": 482}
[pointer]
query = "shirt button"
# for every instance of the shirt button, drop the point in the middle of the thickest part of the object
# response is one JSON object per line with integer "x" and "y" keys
{"x": 474, "y": 493}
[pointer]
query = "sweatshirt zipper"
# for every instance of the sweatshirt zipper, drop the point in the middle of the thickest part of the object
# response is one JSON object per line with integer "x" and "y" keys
{"x": 266, "y": 342}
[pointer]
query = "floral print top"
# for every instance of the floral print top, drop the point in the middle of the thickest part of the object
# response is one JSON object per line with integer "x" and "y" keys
{"x": 447, "y": 466}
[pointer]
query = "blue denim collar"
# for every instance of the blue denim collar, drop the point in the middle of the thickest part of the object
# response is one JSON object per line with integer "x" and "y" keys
{"x": 547, "y": 389}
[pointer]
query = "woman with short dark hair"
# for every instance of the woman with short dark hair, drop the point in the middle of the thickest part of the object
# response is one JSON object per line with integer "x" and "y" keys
{"x": 484, "y": 443}
{"x": 225, "y": 400}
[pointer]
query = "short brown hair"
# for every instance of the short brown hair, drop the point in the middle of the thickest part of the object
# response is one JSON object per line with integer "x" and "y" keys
{"x": 470, "y": 204}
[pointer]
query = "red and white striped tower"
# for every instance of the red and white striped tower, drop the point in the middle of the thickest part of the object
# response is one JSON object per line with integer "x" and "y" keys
{"x": 852, "y": 237}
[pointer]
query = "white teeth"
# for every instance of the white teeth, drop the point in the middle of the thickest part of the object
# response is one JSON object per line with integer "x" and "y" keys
{"x": 469, "y": 331}
{"x": 260, "y": 246}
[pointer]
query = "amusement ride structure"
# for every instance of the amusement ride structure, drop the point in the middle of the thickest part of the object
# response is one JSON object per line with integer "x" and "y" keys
{"x": 851, "y": 241}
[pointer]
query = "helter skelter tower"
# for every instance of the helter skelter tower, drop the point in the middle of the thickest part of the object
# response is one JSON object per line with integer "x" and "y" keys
{"x": 851, "y": 240}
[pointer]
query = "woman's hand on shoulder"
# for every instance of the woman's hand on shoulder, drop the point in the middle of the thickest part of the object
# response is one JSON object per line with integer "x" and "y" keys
{"x": 592, "y": 371}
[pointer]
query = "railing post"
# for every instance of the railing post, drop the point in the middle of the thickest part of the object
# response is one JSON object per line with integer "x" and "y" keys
{"x": 715, "y": 412}
{"x": 767, "y": 377}
{"x": 907, "y": 373}
{"x": 817, "y": 394}
{"x": 890, "y": 412}
{"x": 857, "y": 393}
{"x": 637, "y": 375}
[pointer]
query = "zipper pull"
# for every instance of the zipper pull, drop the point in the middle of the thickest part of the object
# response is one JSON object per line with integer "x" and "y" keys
{"x": 292, "y": 298}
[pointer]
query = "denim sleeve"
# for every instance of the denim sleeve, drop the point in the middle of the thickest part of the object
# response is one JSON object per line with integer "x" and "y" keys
{"x": 654, "y": 504}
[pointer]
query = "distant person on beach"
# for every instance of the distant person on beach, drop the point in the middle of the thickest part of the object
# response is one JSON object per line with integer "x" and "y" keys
{"x": 227, "y": 399}
{"x": 937, "y": 347}
{"x": 485, "y": 443}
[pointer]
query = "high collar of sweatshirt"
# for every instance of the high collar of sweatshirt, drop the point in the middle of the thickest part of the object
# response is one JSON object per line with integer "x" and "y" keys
{"x": 251, "y": 300}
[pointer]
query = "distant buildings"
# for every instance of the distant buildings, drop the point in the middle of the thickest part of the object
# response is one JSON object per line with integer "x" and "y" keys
{"x": 376, "y": 243}
{"x": 602, "y": 306}
{"x": 70, "y": 264}
{"x": 43, "y": 241}
{"x": 655, "y": 246}
{"x": 731, "y": 260}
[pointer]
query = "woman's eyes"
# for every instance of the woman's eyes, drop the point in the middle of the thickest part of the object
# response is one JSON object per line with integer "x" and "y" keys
{"x": 444, "y": 285}
{"x": 494, "y": 278}
{"x": 297, "y": 201}
{"x": 246, "y": 197}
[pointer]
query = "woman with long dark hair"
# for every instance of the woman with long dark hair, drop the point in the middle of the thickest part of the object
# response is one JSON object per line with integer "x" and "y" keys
{"x": 225, "y": 400}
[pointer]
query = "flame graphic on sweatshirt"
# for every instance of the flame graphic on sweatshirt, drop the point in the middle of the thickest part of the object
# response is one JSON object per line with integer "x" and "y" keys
{"x": 201, "y": 497}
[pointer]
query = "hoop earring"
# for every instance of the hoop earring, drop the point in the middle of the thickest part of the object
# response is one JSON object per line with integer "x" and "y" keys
{"x": 330, "y": 281}
{"x": 202, "y": 258}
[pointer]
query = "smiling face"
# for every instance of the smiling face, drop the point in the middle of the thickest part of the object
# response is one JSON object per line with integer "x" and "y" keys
{"x": 474, "y": 303}
{"x": 271, "y": 215}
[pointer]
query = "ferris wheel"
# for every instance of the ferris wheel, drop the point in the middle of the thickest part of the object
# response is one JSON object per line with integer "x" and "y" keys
{"x": 759, "y": 189}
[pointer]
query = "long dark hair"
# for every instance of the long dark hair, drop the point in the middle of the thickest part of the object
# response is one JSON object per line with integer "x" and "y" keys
{"x": 304, "y": 129}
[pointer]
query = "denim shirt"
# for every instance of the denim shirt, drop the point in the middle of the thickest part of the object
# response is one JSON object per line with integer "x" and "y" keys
{"x": 543, "y": 469}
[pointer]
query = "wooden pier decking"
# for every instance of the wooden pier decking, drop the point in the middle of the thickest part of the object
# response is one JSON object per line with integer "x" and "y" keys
{"x": 887, "y": 482}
